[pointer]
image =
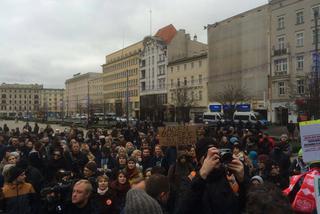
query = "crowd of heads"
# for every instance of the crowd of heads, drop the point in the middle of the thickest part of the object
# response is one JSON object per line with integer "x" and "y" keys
{"x": 126, "y": 167}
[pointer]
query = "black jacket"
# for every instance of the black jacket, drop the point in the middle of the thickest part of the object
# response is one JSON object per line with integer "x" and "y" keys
{"x": 213, "y": 195}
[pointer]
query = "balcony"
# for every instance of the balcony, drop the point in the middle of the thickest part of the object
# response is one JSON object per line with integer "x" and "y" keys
{"x": 280, "y": 51}
{"x": 280, "y": 73}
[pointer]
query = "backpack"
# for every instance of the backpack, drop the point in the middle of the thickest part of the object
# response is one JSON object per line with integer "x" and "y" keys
{"x": 301, "y": 191}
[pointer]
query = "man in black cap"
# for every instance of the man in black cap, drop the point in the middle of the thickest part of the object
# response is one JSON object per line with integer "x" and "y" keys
{"x": 17, "y": 196}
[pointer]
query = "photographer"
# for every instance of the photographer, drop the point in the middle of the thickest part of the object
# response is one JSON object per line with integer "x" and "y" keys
{"x": 218, "y": 187}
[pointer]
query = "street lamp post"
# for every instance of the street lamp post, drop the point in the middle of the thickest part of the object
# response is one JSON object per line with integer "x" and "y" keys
{"x": 316, "y": 17}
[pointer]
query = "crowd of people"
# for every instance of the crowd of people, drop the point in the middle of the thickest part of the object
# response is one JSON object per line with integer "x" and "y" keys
{"x": 230, "y": 169}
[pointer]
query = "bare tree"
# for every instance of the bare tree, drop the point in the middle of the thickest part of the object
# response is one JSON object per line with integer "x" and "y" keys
{"x": 232, "y": 95}
{"x": 183, "y": 99}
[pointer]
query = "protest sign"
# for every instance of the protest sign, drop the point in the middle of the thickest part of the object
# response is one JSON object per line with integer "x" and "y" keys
{"x": 317, "y": 191}
{"x": 310, "y": 140}
{"x": 177, "y": 135}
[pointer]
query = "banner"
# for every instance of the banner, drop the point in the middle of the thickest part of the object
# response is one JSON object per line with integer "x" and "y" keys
{"x": 310, "y": 140}
{"x": 317, "y": 192}
{"x": 177, "y": 135}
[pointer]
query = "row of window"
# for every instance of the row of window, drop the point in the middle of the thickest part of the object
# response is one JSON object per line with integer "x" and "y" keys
{"x": 186, "y": 65}
{"x": 122, "y": 65}
{"x": 161, "y": 85}
{"x": 194, "y": 95}
{"x": 19, "y": 91}
{"x": 299, "y": 17}
{"x": 300, "y": 88}
{"x": 186, "y": 82}
{"x": 131, "y": 83}
{"x": 20, "y": 102}
{"x": 299, "y": 40}
{"x": 121, "y": 94}
{"x": 281, "y": 65}
{"x": 19, "y": 108}
{"x": 4, "y": 96}
{"x": 122, "y": 74}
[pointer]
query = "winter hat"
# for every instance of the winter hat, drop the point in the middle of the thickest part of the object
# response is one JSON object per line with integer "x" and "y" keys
{"x": 203, "y": 145}
{"x": 257, "y": 178}
{"x": 14, "y": 172}
{"x": 92, "y": 166}
{"x": 263, "y": 158}
{"x": 284, "y": 136}
{"x": 7, "y": 167}
{"x": 233, "y": 140}
{"x": 139, "y": 202}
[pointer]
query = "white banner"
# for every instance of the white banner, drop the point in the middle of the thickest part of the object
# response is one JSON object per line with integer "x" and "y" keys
{"x": 310, "y": 140}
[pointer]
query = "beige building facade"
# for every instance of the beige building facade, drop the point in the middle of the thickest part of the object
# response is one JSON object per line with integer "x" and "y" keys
{"x": 52, "y": 102}
{"x": 292, "y": 46}
{"x": 77, "y": 98}
{"x": 188, "y": 85}
{"x": 121, "y": 75}
{"x": 238, "y": 56}
{"x": 20, "y": 100}
{"x": 96, "y": 94}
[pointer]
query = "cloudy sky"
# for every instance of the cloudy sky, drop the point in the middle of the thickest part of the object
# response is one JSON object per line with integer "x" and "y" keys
{"x": 47, "y": 41}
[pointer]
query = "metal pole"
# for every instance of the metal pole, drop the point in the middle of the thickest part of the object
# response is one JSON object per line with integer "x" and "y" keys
{"x": 316, "y": 16}
{"x": 88, "y": 107}
{"x": 127, "y": 98}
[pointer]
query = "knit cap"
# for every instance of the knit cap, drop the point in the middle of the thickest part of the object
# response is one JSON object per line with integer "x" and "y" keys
{"x": 139, "y": 202}
{"x": 257, "y": 178}
{"x": 14, "y": 172}
{"x": 92, "y": 166}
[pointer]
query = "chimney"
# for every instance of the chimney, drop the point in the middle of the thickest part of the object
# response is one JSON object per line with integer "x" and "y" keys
{"x": 195, "y": 37}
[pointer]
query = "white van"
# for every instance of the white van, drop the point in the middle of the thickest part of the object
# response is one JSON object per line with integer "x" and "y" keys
{"x": 212, "y": 118}
{"x": 250, "y": 116}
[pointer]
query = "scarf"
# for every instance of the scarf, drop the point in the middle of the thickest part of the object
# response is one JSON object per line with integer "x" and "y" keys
{"x": 102, "y": 192}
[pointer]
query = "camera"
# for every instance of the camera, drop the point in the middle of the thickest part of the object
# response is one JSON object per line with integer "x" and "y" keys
{"x": 225, "y": 156}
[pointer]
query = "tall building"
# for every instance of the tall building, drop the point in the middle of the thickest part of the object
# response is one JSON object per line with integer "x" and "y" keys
{"x": 238, "y": 56}
{"x": 22, "y": 100}
{"x": 121, "y": 81}
{"x": 188, "y": 86}
{"x": 96, "y": 94}
{"x": 166, "y": 45}
{"x": 77, "y": 94}
{"x": 292, "y": 46}
{"x": 52, "y": 103}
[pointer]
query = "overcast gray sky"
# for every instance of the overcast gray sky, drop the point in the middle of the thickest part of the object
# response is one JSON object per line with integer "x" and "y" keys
{"x": 47, "y": 41}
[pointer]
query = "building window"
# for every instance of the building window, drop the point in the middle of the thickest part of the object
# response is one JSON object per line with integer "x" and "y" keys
{"x": 178, "y": 82}
{"x": 171, "y": 83}
{"x": 185, "y": 66}
{"x": 192, "y": 80}
{"x": 192, "y": 65}
{"x": 281, "y": 66}
{"x": 280, "y": 22}
{"x": 281, "y": 88}
{"x": 200, "y": 79}
{"x": 178, "y": 68}
{"x": 300, "y": 84}
{"x": 314, "y": 36}
{"x": 300, "y": 60}
{"x": 299, "y": 17}
{"x": 200, "y": 95}
{"x": 152, "y": 84}
{"x": 171, "y": 69}
{"x": 185, "y": 81}
{"x": 299, "y": 37}
{"x": 143, "y": 86}
{"x": 200, "y": 63}
{"x": 315, "y": 9}
{"x": 281, "y": 44}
